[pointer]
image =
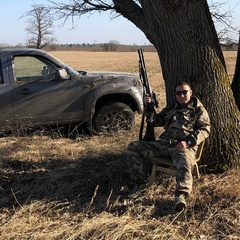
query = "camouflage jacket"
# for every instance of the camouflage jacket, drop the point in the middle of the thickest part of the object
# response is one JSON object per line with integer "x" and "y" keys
{"x": 190, "y": 122}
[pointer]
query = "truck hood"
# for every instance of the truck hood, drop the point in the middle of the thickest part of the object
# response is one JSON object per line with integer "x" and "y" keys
{"x": 100, "y": 77}
{"x": 109, "y": 74}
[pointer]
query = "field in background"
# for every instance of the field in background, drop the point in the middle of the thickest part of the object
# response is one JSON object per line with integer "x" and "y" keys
{"x": 122, "y": 61}
{"x": 57, "y": 188}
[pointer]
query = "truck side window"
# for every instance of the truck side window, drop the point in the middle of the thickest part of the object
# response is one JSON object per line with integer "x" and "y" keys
{"x": 1, "y": 75}
{"x": 32, "y": 69}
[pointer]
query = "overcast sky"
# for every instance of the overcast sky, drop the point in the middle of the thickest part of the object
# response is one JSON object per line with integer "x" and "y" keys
{"x": 94, "y": 29}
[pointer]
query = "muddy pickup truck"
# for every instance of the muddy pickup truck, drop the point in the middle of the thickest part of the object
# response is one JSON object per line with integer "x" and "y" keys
{"x": 36, "y": 89}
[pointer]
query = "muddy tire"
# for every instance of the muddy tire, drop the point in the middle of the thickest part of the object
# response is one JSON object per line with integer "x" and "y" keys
{"x": 114, "y": 116}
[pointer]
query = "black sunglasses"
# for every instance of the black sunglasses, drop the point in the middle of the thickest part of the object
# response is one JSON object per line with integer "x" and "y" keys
{"x": 184, "y": 92}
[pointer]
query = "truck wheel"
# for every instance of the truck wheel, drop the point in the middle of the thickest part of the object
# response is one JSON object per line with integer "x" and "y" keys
{"x": 113, "y": 117}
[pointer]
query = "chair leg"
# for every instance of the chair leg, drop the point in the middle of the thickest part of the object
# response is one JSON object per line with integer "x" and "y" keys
{"x": 196, "y": 170}
{"x": 153, "y": 174}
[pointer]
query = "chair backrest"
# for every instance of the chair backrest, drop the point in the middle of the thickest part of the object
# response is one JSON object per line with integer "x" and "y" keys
{"x": 199, "y": 151}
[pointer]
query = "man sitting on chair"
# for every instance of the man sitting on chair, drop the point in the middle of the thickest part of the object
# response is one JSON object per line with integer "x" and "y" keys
{"x": 186, "y": 125}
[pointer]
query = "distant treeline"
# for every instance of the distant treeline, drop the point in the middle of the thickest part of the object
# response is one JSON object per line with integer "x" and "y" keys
{"x": 107, "y": 47}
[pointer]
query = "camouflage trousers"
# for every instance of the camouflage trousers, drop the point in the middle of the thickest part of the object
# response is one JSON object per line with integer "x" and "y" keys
{"x": 139, "y": 154}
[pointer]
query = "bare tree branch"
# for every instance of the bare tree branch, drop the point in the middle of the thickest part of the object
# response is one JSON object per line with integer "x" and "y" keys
{"x": 39, "y": 25}
{"x": 131, "y": 10}
{"x": 223, "y": 19}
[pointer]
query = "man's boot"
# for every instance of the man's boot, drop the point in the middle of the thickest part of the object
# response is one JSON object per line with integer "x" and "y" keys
{"x": 179, "y": 202}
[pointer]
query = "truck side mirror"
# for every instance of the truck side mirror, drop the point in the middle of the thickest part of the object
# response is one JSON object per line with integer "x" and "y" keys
{"x": 62, "y": 73}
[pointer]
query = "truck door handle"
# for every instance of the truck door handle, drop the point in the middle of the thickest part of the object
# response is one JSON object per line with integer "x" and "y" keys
{"x": 24, "y": 91}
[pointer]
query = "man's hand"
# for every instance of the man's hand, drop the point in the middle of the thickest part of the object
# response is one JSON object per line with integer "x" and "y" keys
{"x": 182, "y": 145}
{"x": 147, "y": 99}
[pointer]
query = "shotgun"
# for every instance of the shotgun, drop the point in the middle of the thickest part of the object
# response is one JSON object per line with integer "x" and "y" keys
{"x": 149, "y": 133}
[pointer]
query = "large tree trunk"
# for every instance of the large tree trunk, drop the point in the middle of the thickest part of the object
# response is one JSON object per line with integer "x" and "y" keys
{"x": 185, "y": 38}
{"x": 236, "y": 79}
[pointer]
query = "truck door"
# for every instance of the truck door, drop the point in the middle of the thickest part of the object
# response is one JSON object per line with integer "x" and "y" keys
{"x": 39, "y": 96}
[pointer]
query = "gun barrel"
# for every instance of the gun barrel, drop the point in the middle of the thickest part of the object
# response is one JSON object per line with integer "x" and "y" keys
{"x": 143, "y": 71}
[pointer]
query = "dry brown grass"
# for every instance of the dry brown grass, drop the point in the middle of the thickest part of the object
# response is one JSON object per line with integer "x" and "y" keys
{"x": 58, "y": 188}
